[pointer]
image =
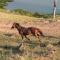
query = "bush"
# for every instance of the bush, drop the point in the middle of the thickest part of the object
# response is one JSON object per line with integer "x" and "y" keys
{"x": 36, "y": 14}
{"x": 4, "y": 3}
{"x": 22, "y": 12}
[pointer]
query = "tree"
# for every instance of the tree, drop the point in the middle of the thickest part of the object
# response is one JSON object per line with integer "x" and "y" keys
{"x": 4, "y": 3}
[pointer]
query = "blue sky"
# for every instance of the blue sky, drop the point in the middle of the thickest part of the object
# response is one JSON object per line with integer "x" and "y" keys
{"x": 37, "y": 5}
{"x": 39, "y": 2}
{"x": 36, "y": 2}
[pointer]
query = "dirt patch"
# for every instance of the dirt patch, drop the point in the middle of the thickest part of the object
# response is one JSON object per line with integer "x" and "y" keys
{"x": 51, "y": 29}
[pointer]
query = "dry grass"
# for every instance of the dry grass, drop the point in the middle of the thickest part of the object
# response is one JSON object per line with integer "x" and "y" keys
{"x": 31, "y": 51}
{"x": 6, "y": 20}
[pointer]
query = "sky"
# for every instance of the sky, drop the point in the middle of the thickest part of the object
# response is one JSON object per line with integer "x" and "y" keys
{"x": 33, "y": 5}
{"x": 35, "y": 2}
{"x": 39, "y": 2}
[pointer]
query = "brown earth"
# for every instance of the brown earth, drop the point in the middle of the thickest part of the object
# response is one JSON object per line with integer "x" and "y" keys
{"x": 50, "y": 29}
{"x": 7, "y": 19}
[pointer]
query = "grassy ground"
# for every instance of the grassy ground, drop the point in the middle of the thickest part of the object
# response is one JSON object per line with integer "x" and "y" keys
{"x": 47, "y": 49}
{"x": 30, "y": 50}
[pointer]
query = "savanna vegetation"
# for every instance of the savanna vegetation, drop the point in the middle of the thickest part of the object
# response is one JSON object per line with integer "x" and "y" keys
{"x": 31, "y": 14}
{"x": 30, "y": 50}
{"x": 47, "y": 49}
{"x": 3, "y": 3}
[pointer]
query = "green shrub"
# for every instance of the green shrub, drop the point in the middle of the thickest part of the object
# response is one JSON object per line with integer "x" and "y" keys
{"x": 22, "y": 12}
{"x": 36, "y": 14}
{"x": 4, "y": 3}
